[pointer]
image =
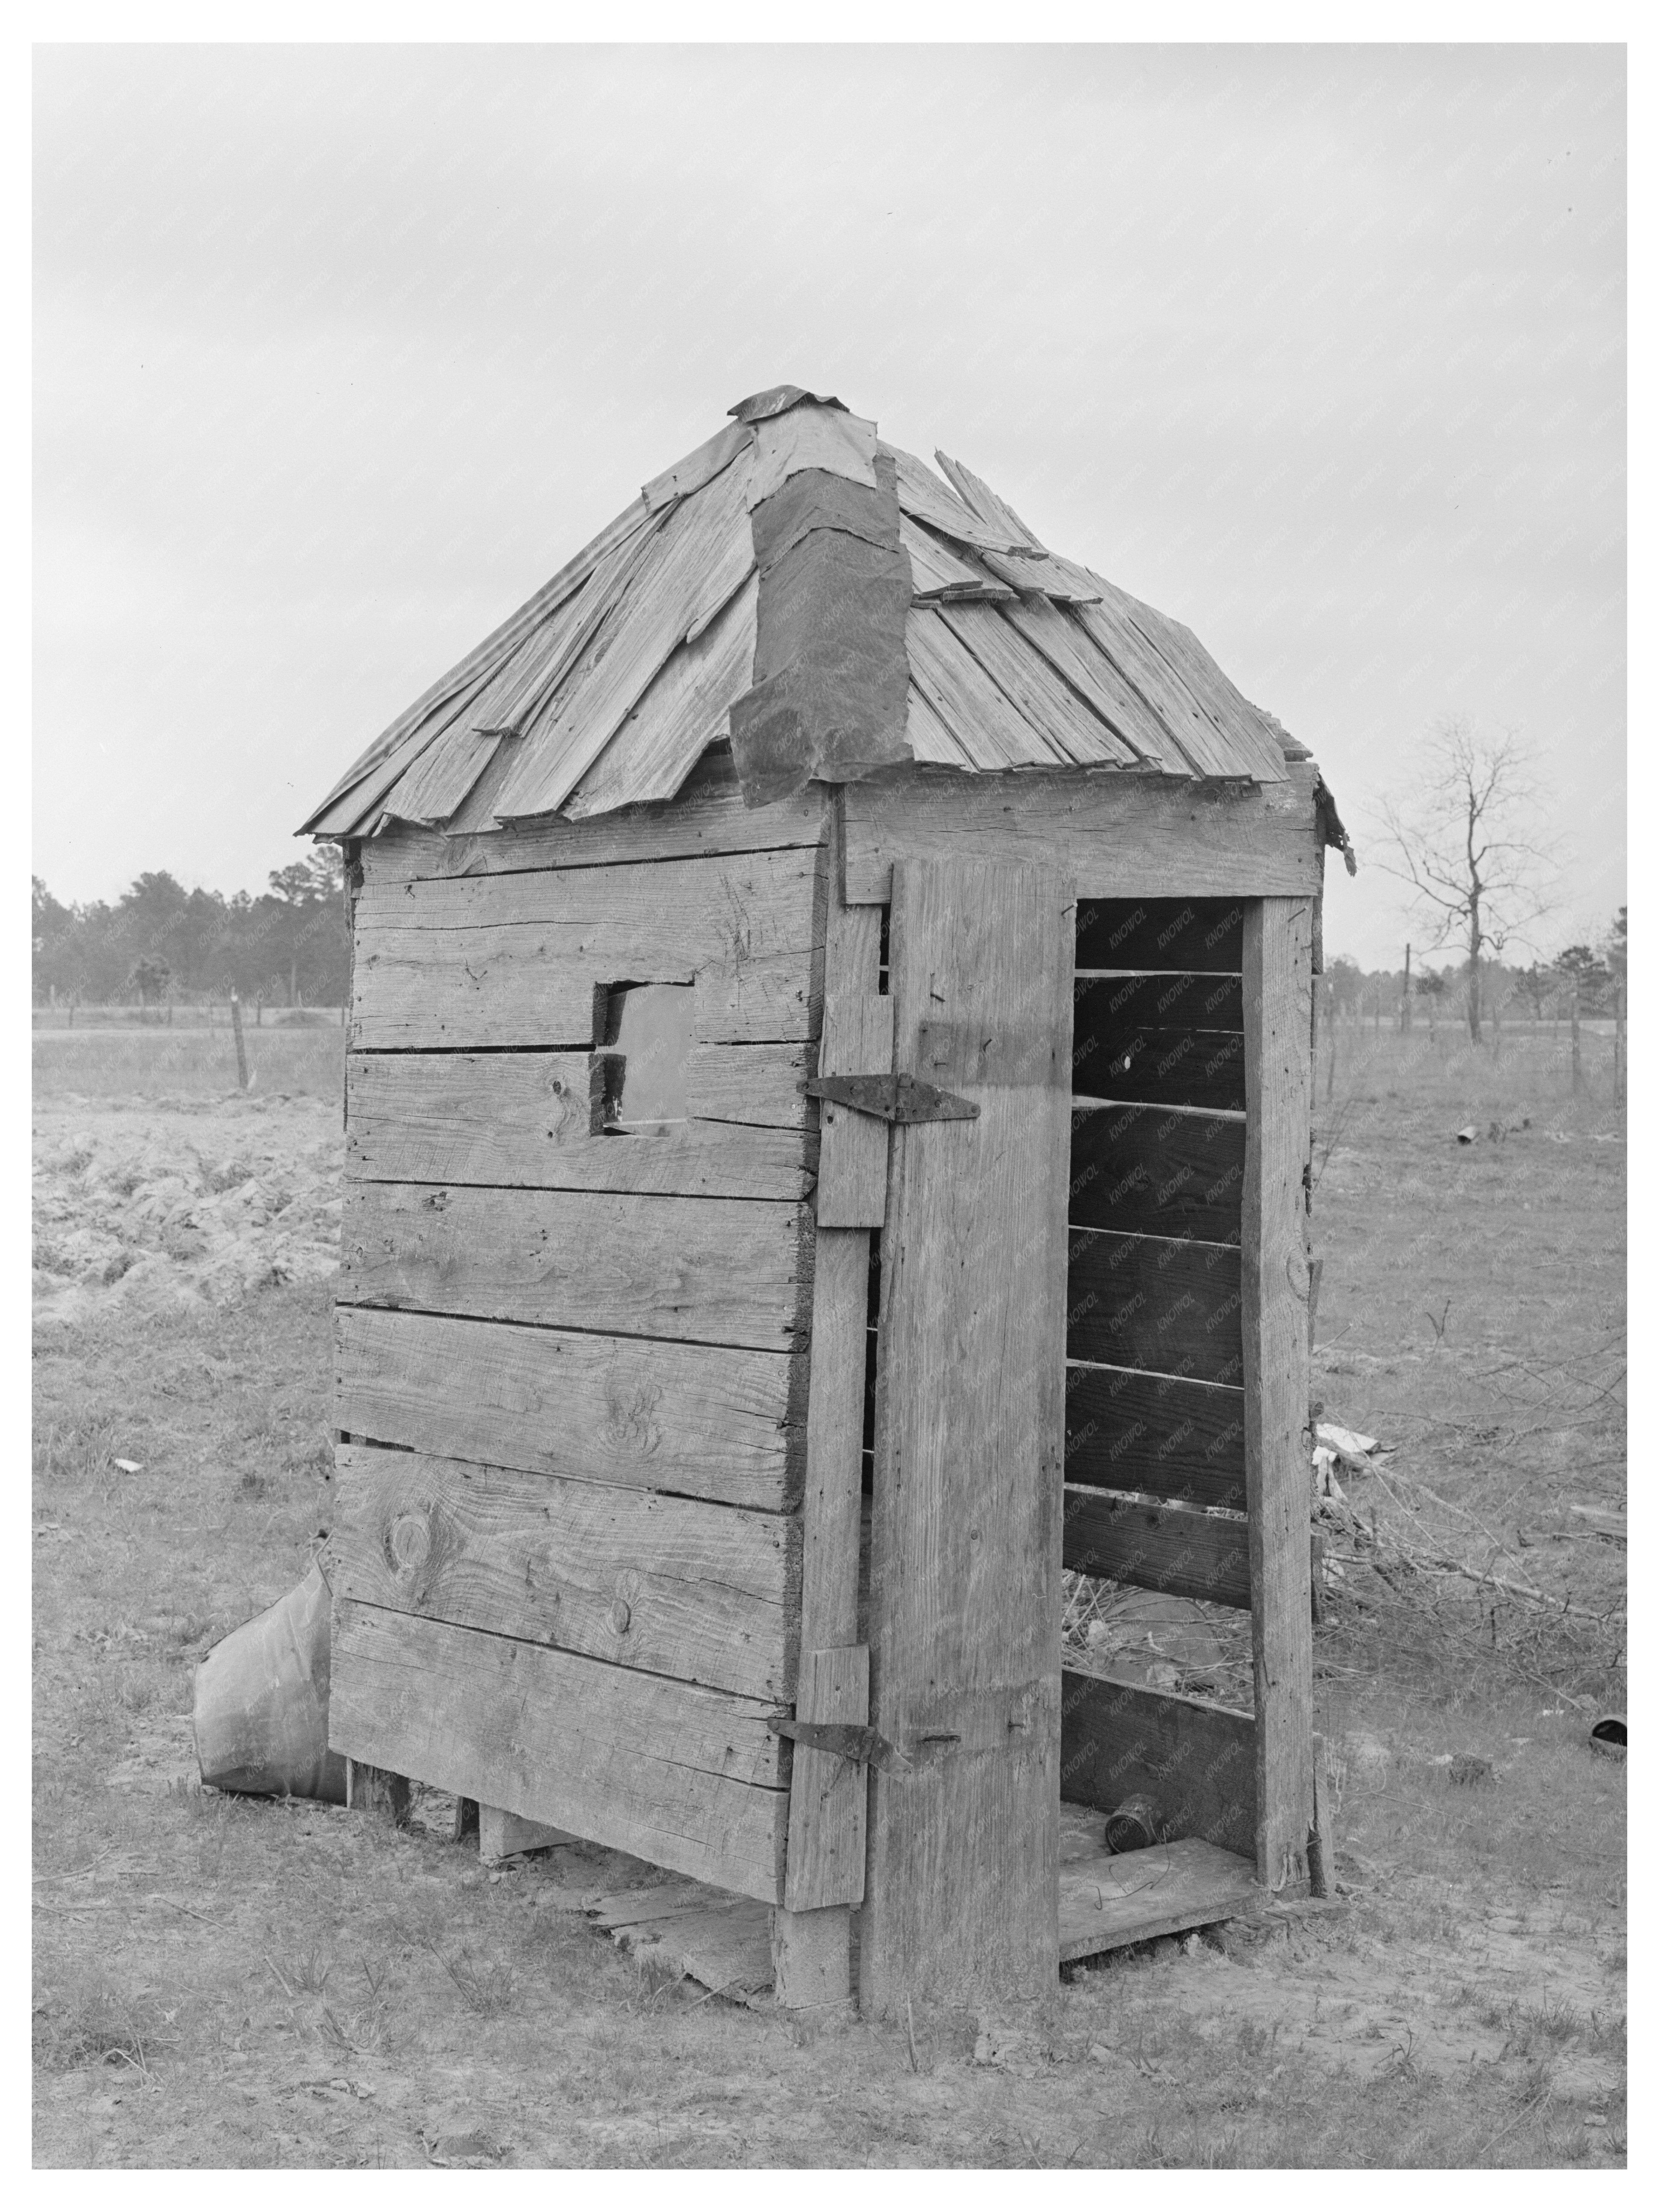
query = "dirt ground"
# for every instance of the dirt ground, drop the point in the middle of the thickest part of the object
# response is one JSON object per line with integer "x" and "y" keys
{"x": 229, "y": 1982}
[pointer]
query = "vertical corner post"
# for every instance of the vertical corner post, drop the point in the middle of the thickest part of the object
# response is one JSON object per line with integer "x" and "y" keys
{"x": 1275, "y": 1284}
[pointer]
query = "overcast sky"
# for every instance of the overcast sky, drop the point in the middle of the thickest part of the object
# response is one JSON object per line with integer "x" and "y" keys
{"x": 340, "y": 352}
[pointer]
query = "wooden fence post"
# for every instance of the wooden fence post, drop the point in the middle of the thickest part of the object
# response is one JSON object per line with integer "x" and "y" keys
{"x": 1577, "y": 1064}
{"x": 1618, "y": 1045}
{"x": 241, "y": 1054}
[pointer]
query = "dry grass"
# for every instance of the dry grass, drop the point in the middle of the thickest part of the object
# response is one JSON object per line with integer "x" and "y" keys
{"x": 233, "y": 1982}
{"x": 292, "y": 1060}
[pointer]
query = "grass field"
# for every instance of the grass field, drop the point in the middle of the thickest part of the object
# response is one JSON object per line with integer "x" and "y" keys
{"x": 246, "y": 1983}
{"x": 150, "y": 1064}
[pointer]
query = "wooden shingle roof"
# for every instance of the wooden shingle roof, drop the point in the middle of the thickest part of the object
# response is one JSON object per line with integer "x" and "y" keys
{"x": 606, "y": 687}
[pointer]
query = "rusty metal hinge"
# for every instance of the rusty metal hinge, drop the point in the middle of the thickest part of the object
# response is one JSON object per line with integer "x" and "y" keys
{"x": 893, "y": 1098}
{"x": 849, "y": 1740}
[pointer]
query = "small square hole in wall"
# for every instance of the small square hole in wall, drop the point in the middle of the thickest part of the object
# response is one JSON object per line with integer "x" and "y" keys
{"x": 647, "y": 1030}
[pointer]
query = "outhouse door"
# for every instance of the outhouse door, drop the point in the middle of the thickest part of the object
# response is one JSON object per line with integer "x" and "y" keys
{"x": 960, "y": 1896}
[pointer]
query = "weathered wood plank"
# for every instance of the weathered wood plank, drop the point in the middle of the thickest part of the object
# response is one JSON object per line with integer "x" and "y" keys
{"x": 699, "y": 1420}
{"x": 811, "y": 1944}
{"x": 1194, "y": 1760}
{"x": 1110, "y": 623}
{"x": 702, "y": 1270}
{"x": 692, "y": 568}
{"x": 964, "y": 1593}
{"x": 1072, "y": 653}
{"x": 1249, "y": 740}
{"x": 857, "y": 1040}
{"x": 706, "y": 816}
{"x": 443, "y": 702}
{"x": 1159, "y": 1434}
{"x": 1107, "y": 1902}
{"x": 1117, "y": 835}
{"x": 702, "y": 1592}
{"x": 828, "y": 1796}
{"x": 762, "y": 1086}
{"x": 937, "y": 572}
{"x": 1069, "y": 724}
{"x": 931, "y": 500}
{"x": 1194, "y": 936}
{"x": 698, "y": 468}
{"x": 1173, "y": 1548}
{"x": 670, "y": 914}
{"x": 534, "y": 1120}
{"x": 1162, "y": 1067}
{"x": 984, "y": 722}
{"x": 451, "y": 989}
{"x": 689, "y": 1778}
{"x": 1165, "y": 1303}
{"x": 1149, "y": 1169}
{"x": 1104, "y": 1003}
{"x": 1274, "y": 1280}
{"x": 684, "y": 710}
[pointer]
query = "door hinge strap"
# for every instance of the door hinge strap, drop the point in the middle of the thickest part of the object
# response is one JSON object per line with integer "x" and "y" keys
{"x": 893, "y": 1098}
{"x": 852, "y": 1741}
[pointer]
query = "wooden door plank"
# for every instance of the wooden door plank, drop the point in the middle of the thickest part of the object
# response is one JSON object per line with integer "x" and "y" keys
{"x": 827, "y": 1794}
{"x": 812, "y": 1945}
{"x": 700, "y": 1420}
{"x": 1273, "y": 1281}
{"x": 709, "y": 1270}
{"x": 1168, "y": 1303}
{"x": 534, "y": 1120}
{"x": 707, "y": 816}
{"x": 1158, "y": 1434}
{"x": 1177, "y": 1549}
{"x": 857, "y": 1040}
{"x": 1151, "y": 1169}
{"x": 689, "y": 1778}
{"x": 701, "y": 1592}
{"x": 1195, "y": 1760}
{"x": 1118, "y": 837}
{"x": 964, "y": 1594}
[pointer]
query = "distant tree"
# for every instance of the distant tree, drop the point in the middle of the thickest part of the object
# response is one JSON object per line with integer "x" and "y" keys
{"x": 1472, "y": 844}
{"x": 149, "y": 978}
{"x": 1615, "y": 946}
{"x": 1583, "y": 967}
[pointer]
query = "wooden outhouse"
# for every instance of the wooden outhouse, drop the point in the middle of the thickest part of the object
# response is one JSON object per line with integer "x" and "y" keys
{"x": 827, "y": 1147}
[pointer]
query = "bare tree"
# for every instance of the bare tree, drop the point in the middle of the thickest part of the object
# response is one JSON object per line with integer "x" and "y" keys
{"x": 1472, "y": 844}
